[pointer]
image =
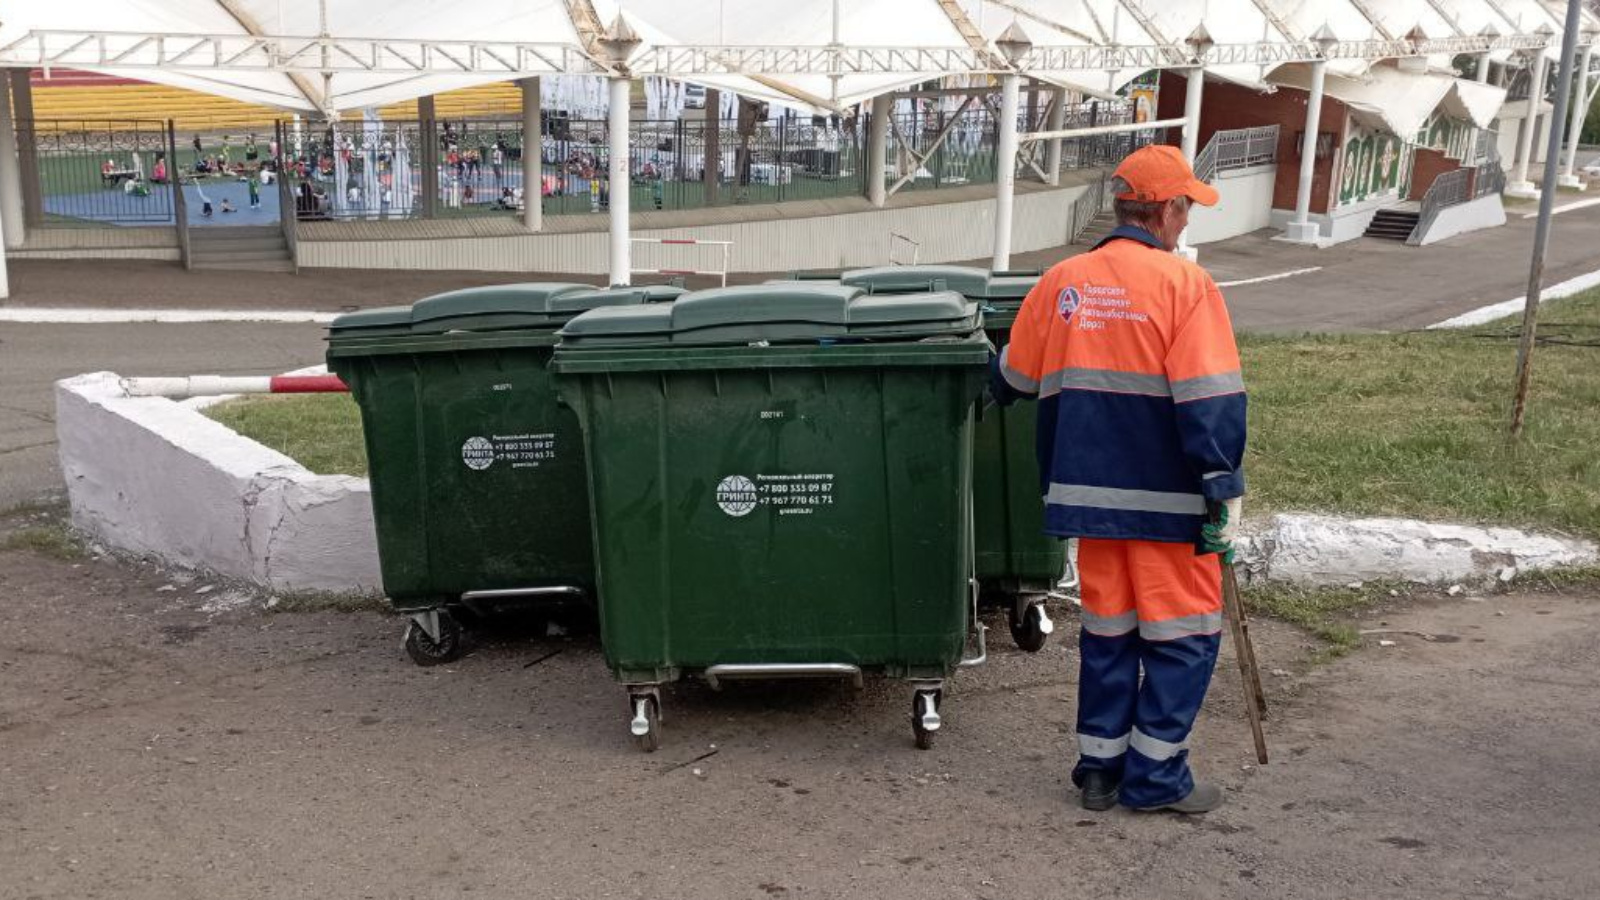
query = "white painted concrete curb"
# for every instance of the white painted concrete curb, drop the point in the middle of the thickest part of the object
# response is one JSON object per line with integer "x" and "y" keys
{"x": 1327, "y": 550}
{"x": 150, "y": 476}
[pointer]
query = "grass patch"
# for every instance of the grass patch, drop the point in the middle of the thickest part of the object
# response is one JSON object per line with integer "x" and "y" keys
{"x": 320, "y": 431}
{"x": 54, "y": 540}
{"x": 1324, "y": 612}
{"x": 1407, "y": 424}
{"x": 1415, "y": 424}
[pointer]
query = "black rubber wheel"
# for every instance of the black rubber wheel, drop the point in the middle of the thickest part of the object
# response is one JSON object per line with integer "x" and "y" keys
{"x": 650, "y": 741}
{"x": 924, "y": 736}
{"x": 425, "y": 651}
{"x": 1027, "y": 633}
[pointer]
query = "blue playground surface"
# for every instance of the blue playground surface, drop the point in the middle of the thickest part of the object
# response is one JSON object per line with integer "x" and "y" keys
{"x": 113, "y": 207}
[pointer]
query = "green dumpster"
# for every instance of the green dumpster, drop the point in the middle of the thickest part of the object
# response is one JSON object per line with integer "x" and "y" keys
{"x": 779, "y": 481}
{"x": 477, "y": 473}
{"x": 1018, "y": 565}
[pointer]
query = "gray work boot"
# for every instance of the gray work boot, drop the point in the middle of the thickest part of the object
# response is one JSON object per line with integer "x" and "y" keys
{"x": 1202, "y": 799}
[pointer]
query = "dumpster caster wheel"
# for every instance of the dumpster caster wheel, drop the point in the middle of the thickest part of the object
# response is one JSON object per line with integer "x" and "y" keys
{"x": 443, "y": 646}
{"x": 646, "y": 725}
{"x": 925, "y": 716}
{"x": 1031, "y": 626}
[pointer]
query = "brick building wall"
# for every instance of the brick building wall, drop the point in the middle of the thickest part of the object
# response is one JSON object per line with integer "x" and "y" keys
{"x": 1225, "y": 107}
{"x": 1426, "y": 165}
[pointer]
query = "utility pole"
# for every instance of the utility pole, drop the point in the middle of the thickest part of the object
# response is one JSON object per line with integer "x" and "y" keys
{"x": 1547, "y": 199}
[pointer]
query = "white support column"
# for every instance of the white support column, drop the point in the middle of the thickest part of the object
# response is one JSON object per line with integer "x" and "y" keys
{"x": 878, "y": 147}
{"x": 1301, "y": 228}
{"x": 1580, "y": 82}
{"x": 1520, "y": 186}
{"x": 532, "y": 156}
{"x": 1192, "y": 96}
{"x": 617, "y": 131}
{"x": 1058, "y": 121}
{"x": 1483, "y": 69}
{"x": 1005, "y": 178}
{"x": 11, "y": 216}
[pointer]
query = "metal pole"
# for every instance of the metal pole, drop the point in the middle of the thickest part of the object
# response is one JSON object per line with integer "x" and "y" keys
{"x": 1005, "y": 176}
{"x": 712, "y": 142}
{"x": 1191, "y": 134}
{"x": 532, "y": 156}
{"x": 878, "y": 147}
{"x": 27, "y": 147}
{"x": 428, "y": 137}
{"x": 1541, "y": 234}
{"x": 1058, "y": 121}
{"x": 1302, "y": 229}
{"x": 1579, "y": 109}
{"x": 10, "y": 174}
{"x": 1520, "y": 186}
{"x": 617, "y": 136}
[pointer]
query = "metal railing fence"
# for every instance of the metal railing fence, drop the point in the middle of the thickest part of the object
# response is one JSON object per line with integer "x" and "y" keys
{"x": 92, "y": 172}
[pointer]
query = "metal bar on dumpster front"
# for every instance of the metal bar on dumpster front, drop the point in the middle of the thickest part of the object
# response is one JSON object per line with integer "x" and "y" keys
{"x": 782, "y": 670}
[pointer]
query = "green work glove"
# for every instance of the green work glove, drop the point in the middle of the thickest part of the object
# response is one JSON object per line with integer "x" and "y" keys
{"x": 1221, "y": 532}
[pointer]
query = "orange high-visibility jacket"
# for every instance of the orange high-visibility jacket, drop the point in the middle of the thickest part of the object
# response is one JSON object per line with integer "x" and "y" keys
{"x": 1130, "y": 352}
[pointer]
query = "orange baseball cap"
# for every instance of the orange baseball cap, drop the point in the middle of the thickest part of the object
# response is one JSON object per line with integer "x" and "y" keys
{"x": 1159, "y": 172}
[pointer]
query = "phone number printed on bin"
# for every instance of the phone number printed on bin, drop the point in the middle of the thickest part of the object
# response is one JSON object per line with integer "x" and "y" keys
{"x": 520, "y": 451}
{"x": 790, "y": 495}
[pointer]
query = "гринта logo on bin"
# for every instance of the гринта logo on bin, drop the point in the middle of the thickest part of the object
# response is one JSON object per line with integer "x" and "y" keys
{"x": 478, "y": 453}
{"x": 736, "y": 495}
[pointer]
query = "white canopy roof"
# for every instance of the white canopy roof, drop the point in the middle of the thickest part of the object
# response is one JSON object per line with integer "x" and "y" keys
{"x": 1402, "y": 101}
{"x": 1260, "y": 33}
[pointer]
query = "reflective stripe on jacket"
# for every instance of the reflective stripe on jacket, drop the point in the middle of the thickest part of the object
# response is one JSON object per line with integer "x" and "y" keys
{"x": 1130, "y": 352}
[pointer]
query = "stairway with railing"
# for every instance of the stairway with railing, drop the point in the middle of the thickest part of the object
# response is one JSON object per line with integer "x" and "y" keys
{"x": 1237, "y": 148}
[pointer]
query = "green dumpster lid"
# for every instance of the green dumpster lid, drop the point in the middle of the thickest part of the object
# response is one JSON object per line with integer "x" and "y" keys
{"x": 961, "y": 279}
{"x": 384, "y": 320}
{"x": 1005, "y": 286}
{"x": 775, "y": 313}
{"x": 496, "y": 306}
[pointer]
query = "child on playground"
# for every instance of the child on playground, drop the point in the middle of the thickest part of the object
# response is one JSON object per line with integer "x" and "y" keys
{"x": 255, "y": 191}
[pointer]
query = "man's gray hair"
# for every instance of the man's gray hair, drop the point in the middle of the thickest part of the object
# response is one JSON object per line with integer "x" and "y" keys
{"x": 1143, "y": 213}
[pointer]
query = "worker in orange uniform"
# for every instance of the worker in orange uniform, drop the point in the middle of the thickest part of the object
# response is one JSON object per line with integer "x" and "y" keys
{"x": 1130, "y": 353}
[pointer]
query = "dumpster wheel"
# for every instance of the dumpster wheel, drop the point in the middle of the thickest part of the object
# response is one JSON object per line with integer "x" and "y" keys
{"x": 1030, "y": 623}
{"x": 646, "y": 724}
{"x": 445, "y": 645}
{"x": 925, "y": 716}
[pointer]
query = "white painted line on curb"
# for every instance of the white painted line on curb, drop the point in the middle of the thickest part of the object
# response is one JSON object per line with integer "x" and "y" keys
{"x": 1278, "y": 277}
{"x": 79, "y": 316}
{"x": 1485, "y": 314}
{"x": 1581, "y": 204}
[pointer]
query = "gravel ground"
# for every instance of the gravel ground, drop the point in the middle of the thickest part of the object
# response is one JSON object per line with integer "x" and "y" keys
{"x": 161, "y": 740}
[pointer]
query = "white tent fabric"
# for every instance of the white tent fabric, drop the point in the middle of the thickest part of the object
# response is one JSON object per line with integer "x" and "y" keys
{"x": 787, "y": 23}
{"x": 1478, "y": 103}
{"x": 543, "y": 21}
{"x": 1061, "y": 23}
{"x": 1400, "y": 101}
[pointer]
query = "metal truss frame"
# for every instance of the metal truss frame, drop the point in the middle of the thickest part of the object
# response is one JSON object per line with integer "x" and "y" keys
{"x": 331, "y": 55}
{"x": 294, "y": 54}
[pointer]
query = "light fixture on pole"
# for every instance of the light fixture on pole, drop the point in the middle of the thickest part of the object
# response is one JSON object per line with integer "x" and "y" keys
{"x": 1014, "y": 44}
{"x": 1324, "y": 40}
{"x": 1200, "y": 43}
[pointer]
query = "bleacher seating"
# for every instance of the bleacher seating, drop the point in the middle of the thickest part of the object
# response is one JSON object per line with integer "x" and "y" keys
{"x": 70, "y": 94}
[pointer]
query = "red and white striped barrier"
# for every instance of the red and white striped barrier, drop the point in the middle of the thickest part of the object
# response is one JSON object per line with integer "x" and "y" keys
{"x": 727, "y": 249}
{"x": 216, "y": 385}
